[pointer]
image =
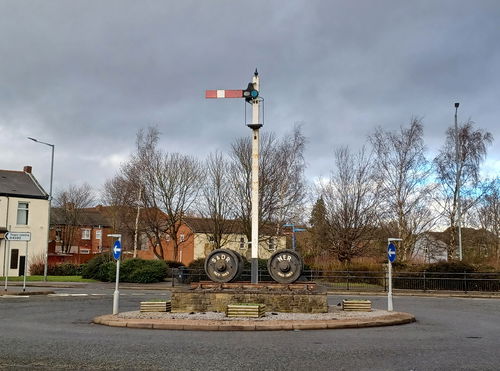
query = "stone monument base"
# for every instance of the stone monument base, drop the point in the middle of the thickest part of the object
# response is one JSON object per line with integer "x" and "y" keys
{"x": 214, "y": 297}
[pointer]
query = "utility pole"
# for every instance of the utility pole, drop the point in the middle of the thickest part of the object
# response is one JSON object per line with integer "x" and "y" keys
{"x": 251, "y": 95}
{"x": 136, "y": 231}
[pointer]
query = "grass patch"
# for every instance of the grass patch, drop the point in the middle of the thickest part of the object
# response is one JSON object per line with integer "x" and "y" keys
{"x": 50, "y": 279}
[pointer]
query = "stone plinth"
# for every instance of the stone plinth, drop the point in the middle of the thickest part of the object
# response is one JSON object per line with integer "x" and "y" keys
{"x": 294, "y": 298}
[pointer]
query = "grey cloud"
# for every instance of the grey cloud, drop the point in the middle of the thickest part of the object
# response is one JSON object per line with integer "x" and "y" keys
{"x": 86, "y": 75}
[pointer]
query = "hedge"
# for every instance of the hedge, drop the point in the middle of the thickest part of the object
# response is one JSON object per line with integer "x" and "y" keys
{"x": 103, "y": 268}
{"x": 63, "y": 269}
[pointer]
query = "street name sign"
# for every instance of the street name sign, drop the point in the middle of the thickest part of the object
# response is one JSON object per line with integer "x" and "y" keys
{"x": 391, "y": 252}
{"x": 18, "y": 236}
{"x": 117, "y": 250}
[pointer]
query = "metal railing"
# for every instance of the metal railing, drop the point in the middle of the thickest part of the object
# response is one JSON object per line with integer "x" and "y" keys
{"x": 371, "y": 280}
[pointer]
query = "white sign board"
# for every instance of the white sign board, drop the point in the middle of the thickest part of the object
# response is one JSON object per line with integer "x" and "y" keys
{"x": 18, "y": 236}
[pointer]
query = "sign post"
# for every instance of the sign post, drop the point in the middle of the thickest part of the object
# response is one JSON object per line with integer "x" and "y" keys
{"x": 117, "y": 252}
{"x": 294, "y": 230}
{"x": 6, "y": 262}
{"x": 25, "y": 267}
{"x": 17, "y": 236}
{"x": 391, "y": 257}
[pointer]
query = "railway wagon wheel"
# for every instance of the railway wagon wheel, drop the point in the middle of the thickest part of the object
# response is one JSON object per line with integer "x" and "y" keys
{"x": 222, "y": 265}
{"x": 241, "y": 265}
{"x": 285, "y": 266}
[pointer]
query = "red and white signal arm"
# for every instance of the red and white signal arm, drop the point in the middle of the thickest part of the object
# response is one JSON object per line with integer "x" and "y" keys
{"x": 224, "y": 93}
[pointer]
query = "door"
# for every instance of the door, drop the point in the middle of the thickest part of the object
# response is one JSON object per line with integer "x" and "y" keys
{"x": 22, "y": 261}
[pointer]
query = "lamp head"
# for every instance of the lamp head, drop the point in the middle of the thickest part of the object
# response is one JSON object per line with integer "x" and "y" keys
{"x": 456, "y": 105}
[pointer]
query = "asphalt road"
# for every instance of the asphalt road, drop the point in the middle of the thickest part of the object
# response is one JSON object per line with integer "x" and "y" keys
{"x": 56, "y": 333}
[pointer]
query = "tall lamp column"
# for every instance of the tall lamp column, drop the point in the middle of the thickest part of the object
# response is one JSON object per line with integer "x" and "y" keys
{"x": 458, "y": 175}
{"x": 46, "y": 263}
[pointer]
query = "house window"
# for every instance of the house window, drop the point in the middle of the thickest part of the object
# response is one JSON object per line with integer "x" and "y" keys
{"x": 272, "y": 243}
{"x": 58, "y": 235}
{"x": 85, "y": 234}
{"x": 22, "y": 213}
{"x": 242, "y": 243}
{"x": 181, "y": 238}
{"x": 14, "y": 258}
{"x": 98, "y": 234}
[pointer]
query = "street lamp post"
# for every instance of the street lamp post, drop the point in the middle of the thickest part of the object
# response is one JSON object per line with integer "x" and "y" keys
{"x": 45, "y": 268}
{"x": 458, "y": 175}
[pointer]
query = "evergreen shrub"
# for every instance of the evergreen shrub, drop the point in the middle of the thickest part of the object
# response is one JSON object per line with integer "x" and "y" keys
{"x": 65, "y": 269}
{"x": 143, "y": 271}
{"x": 93, "y": 267}
{"x": 103, "y": 268}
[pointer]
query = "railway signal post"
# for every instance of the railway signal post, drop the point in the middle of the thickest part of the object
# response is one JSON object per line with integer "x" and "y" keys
{"x": 251, "y": 95}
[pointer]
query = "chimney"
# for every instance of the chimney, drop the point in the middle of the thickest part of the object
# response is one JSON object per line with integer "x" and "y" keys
{"x": 27, "y": 169}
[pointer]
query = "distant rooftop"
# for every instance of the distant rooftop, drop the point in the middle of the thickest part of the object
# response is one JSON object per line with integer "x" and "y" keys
{"x": 21, "y": 184}
{"x": 86, "y": 217}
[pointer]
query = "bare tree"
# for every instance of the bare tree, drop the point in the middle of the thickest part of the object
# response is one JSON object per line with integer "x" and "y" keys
{"x": 124, "y": 192}
{"x": 403, "y": 174}
{"x": 281, "y": 179}
{"x": 488, "y": 214}
{"x": 215, "y": 202}
{"x": 457, "y": 167}
{"x": 171, "y": 185}
{"x": 67, "y": 213}
{"x": 158, "y": 189}
{"x": 146, "y": 154}
{"x": 350, "y": 198}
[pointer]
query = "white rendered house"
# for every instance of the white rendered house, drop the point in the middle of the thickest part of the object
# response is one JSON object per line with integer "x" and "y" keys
{"x": 24, "y": 207}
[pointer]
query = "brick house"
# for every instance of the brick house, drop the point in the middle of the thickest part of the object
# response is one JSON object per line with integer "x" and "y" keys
{"x": 76, "y": 238}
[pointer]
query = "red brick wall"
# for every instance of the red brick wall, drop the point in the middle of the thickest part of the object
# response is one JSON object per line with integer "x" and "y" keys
{"x": 186, "y": 249}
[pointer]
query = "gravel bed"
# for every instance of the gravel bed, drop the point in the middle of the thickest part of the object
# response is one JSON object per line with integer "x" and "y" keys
{"x": 333, "y": 313}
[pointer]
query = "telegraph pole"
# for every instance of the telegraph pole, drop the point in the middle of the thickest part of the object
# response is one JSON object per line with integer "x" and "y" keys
{"x": 251, "y": 95}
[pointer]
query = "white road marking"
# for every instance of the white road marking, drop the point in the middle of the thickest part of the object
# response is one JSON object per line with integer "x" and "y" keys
{"x": 14, "y": 296}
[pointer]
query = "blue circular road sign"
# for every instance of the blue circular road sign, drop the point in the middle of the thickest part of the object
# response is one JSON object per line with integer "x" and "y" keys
{"x": 391, "y": 252}
{"x": 117, "y": 250}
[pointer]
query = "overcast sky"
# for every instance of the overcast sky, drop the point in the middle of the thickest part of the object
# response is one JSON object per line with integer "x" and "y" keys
{"x": 86, "y": 75}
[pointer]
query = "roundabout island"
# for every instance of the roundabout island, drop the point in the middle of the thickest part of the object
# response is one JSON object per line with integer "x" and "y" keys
{"x": 272, "y": 321}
